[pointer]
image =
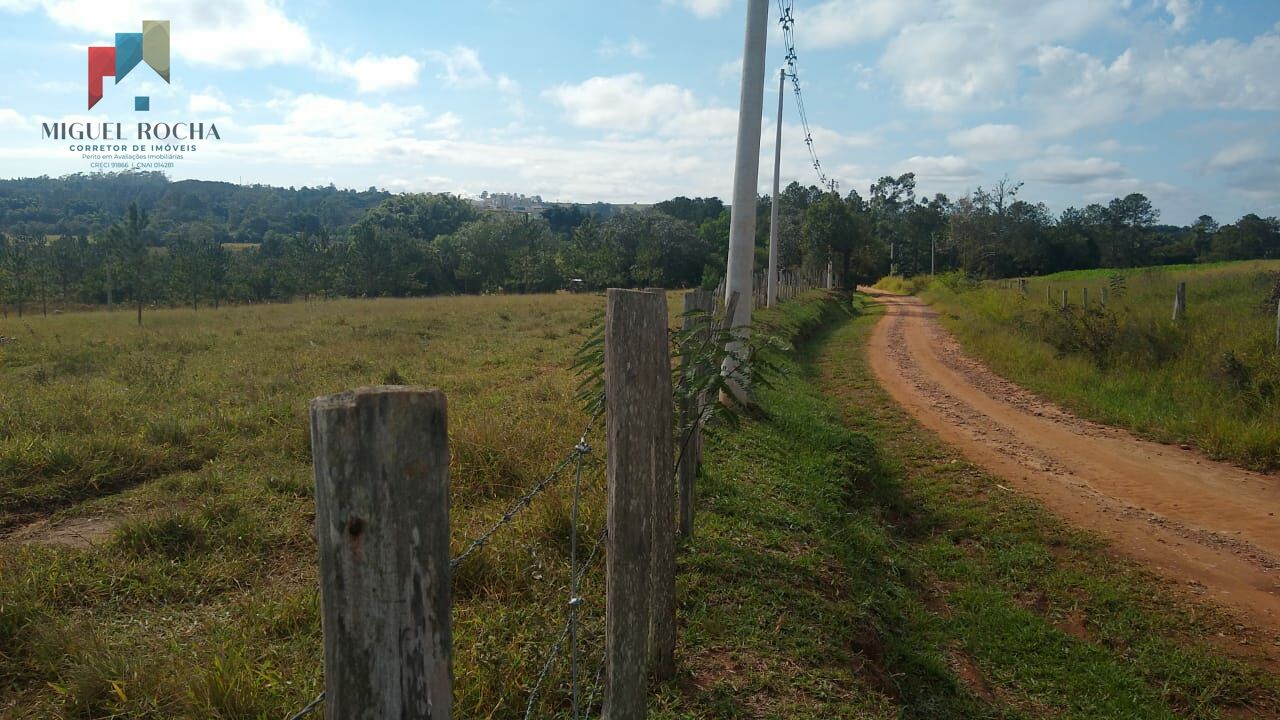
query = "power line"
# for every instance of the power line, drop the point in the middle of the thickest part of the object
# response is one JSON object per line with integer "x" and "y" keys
{"x": 786, "y": 18}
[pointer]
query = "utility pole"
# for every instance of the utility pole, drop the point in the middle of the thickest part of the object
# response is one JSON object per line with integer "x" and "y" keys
{"x": 746, "y": 179}
{"x": 774, "y": 212}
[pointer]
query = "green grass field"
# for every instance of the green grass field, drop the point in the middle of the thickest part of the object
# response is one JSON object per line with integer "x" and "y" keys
{"x": 845, "y": 564}
{"x": 187, "y": 439}
{"x": 1211, "y": 380}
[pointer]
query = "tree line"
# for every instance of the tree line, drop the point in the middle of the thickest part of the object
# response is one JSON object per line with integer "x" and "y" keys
{"x": 139, "y": 240}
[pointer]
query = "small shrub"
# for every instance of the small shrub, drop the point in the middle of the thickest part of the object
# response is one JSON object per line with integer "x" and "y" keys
{"x": 1092, "y": 331}
{"x": 393, "y": 377}
{"x": 1232, "y": 372}
{"x": 957, "y": 281}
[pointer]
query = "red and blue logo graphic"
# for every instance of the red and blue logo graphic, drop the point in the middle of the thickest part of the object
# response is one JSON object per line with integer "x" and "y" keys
{"x": 150, "y": 46}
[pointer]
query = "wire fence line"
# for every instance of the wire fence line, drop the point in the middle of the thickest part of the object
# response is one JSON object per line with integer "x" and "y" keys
{"x": 576, "y": 454}
{"x": 579, "y": 694}
{"x": 574, "y": 458}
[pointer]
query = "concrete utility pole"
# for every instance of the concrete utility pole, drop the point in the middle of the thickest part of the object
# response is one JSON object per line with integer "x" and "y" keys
{"x": 772, "y": 297}
{"x": 746, "y": 180}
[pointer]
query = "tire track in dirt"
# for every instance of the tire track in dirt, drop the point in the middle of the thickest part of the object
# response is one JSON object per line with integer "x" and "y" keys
{"x": 1194, "y": 520}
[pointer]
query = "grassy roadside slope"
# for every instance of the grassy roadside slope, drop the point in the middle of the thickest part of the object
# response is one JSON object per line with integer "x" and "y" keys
{"x": 847, "y": 565}
{"x": 1212, "y": 380}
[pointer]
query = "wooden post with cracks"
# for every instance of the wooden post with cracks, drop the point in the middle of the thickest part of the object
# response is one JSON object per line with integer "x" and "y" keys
{"x": 381, "y": 457}
{"x": 640, "y": 564}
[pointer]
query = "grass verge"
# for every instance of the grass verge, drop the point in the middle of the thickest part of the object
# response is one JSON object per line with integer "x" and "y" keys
{"x": 849, "y": 565}
{"x": 1211, "y": 380}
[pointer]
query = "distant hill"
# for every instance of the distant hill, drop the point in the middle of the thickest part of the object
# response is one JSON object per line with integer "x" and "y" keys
{"x": 88, "y": 204}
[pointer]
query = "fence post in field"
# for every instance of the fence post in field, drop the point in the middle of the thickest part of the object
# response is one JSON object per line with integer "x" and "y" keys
{"x": 1084, "y": 297}
{"x": 1180, "y": 302}
{"x": 1278, "y": 324}
{"x": 698, "y": 305}
{"x": 381, "y": 459}
{"x": 1065, "y": 301}
{"x": 1104, "y": 296}
{"x": 637, "y": 370}
{"x": 662, "y": 604}
{"x": 1048, "y": 294}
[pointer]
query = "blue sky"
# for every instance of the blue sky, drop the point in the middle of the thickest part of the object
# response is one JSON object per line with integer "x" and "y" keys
{"x": 1082, "y": 100}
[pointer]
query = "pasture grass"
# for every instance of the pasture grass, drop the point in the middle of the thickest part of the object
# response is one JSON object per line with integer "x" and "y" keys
{"x": 188, "y": 438}
{"x": 844, "y": 563}
{"x": 1211, "y": 380}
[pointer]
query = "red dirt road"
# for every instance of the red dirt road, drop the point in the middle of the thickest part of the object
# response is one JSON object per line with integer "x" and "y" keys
{"x": 1205, "y": 523}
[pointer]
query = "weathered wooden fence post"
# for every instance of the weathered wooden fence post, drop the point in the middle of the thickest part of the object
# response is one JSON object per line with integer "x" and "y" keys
{"x": 1065, "y": 301}
{"x": 698, "y": 306}
{"x": 1180, "y": 302}
{"x": 1048, "y": 294}
{"x": 1084, "y": 297}
{"x": 1278, "y": 324}
{"x": 381, "y": 460}
{"x": 637, "y": 370}
{"x": 1104, "y": 296}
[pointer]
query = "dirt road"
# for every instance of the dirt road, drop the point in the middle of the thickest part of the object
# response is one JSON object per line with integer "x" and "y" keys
{"x": 1208, "y": 524}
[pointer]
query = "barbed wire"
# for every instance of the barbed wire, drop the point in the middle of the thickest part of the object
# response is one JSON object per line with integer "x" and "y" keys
{"x": 309, "y": 708}
{"x": 786, "y": 18}
{"x": 575, "y": 456}
{"x": 579, "y": 450}
{"x": 570, "y": 623}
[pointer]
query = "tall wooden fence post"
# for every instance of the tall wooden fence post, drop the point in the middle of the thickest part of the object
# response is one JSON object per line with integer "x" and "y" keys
{"x": 698, "y": 306}
{"x": 1084, "y": 297}
{"x": 1104, "y": 295}
{"x": 637, "y": 371}
{"x": 381, "y": 460}
{"x": 1065, "y": 301}
{"x": 1278, "y": 324}
{"x": 1180, "y": 302}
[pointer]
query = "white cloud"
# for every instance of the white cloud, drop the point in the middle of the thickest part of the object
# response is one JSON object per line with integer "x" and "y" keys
{"x": 1182, "y": 13}
{"x": 731, "y": 70}
{"x": 391, "y": 143}
{"x": 995, "y": 141}
{"x": 311, "y": 115}
{"x": 1144, "y": 82}
{"x": 622, "y": 102}
{"x": 207, "y": 102}
{"x": 461, "y": 67}
{"x": 941, "y": 168}
{"x": 1237, "y": 155}
{"x": 10, "y": 118}
{"x": 1072, "y": 171}
{"x": 702, "y": 9}
{"x": 231, "y": 34}
{"x": 507, "y": 85}
{"x": 971, "y": 57}
{"x": 446, "y": 124}
{"x": 380, "y": 74}
{"x": 1112, "y": 146}
{"x": 841, "y": 22}
{"x": 632, "y": 47}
